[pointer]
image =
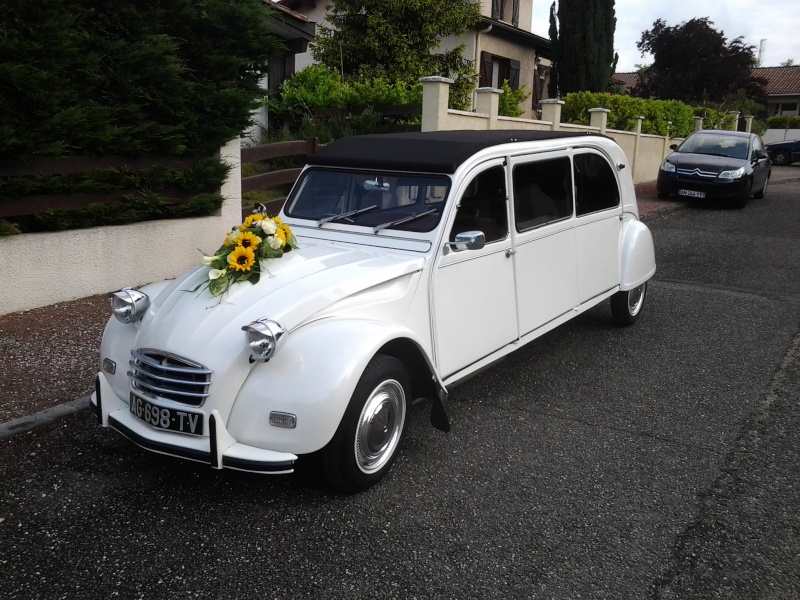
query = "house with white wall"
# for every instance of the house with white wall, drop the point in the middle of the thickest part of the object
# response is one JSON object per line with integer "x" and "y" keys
{"x": 501, "y": 46}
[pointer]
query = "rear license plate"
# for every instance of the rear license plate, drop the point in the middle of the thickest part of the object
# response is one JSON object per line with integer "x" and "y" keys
{"x": 691, "y": 193}
{"x": 171, "y": 419}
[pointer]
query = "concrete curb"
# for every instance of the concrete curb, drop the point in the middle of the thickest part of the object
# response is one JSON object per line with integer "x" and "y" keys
{"x": 44, "y": 417}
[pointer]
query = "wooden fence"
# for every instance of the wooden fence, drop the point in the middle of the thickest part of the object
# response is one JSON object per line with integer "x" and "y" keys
{"x": 24, "y": 207}
{"x": 278, "y": 178}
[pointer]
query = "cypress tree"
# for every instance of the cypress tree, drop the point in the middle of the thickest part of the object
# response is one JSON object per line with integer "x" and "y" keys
{"x": 582, "y": 41}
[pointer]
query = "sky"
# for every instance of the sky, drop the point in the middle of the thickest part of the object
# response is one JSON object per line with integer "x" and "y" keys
{"x": 776, "y": 21}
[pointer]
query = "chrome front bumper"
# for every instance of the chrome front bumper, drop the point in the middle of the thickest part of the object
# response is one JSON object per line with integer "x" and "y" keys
{"x": 219, "y": 449}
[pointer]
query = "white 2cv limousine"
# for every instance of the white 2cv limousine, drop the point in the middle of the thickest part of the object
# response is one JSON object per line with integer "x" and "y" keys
{"x": 399, "y": 265}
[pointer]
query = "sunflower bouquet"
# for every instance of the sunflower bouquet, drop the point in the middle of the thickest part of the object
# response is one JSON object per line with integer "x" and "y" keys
{"x": 239, "y": 258}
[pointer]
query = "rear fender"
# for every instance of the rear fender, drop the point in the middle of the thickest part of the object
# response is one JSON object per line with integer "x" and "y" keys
{"x": 312, "y": 377}
{"x": 638, "y": 259}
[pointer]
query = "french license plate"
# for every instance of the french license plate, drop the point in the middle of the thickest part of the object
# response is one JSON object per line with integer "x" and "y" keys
{"x": 691, "y": 193}
{"x": 171, "y": 419}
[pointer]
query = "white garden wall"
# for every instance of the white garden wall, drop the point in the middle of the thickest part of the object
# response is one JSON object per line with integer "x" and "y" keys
{"x": 38, "y": 269}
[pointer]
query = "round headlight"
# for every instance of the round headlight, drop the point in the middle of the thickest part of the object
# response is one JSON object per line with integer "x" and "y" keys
{"x": 129, "y": 305}
{"x": 264, "y": 337}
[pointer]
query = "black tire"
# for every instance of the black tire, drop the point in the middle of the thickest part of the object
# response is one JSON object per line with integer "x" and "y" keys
{"x": 781, "y": 158}
{"x": 372, "y": 429}
{"x": 763, "y": 191}
{"x": 741, "y": 201}
{"x": 662, "y": 195}
{"x": 627, "y": 306}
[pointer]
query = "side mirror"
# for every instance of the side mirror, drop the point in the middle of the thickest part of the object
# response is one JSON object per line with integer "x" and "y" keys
{"x": 469, "y": 240}
{"x": 673, "y": 146}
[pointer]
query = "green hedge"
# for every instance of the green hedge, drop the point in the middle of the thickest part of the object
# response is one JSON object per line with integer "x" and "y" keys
{"x": 661, "y": 117}
{"x": 783, "y": 122}
{"x": 127, "y": 78}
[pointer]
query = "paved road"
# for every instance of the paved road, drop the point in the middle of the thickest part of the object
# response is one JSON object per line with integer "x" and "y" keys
{"x": 655, "y": 461}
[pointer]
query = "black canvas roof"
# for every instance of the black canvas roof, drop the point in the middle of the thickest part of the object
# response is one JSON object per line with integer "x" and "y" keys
{"x": 428, "y": 152}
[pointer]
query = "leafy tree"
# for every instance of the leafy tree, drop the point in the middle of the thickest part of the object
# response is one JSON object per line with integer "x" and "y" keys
{"x": 397, "y": 40}
{"x": 694, "y": 62}
{"x": 787, "y": 63}
{"x": 582, "y": 43}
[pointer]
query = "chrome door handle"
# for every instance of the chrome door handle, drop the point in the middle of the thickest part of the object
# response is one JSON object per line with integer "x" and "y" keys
{"x": 510, "y": 252}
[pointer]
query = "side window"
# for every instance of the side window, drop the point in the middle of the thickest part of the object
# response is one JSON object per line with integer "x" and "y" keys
{"x": 542, "y": 192}
{"x": 595, "y": 184}
{"x": 758, "y": 150}
{"x": 483, "y": 206}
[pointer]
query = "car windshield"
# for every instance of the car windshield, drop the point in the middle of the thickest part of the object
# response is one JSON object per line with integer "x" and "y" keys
{"x": 380, "y": 200}
{"x": 715, "y": 145}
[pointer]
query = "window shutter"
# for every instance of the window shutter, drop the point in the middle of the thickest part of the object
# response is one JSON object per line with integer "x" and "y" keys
{"x": 513, "y": 74}
{"x": 515, "y": 14}
{"x": 497, "y": 9}
{"x": 485, "y": 79}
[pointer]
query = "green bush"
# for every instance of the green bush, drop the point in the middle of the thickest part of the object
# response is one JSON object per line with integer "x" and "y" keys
{"x": 508, "y": 105}
{"x": 315, "y": 102}
{"x": 783, "y": 122}
{"x": 661, "y": 117}
{"x": 129, "y": 78}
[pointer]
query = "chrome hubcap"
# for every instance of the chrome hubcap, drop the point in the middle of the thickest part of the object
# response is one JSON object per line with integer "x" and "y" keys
{"x": 635, "y": 299}
{"x": 380, "y": 426}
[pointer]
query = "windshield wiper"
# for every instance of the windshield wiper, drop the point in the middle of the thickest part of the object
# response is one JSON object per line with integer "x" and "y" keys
{"x": 352, "y": 213}
{"x": 377, "y": 228}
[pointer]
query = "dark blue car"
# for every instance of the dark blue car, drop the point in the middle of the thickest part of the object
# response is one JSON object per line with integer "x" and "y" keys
{"x": 784, "y": 153}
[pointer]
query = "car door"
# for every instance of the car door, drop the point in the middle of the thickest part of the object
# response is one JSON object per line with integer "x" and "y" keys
{"x": 474, "y": 312}
{"x": 761, "y": 164}
{"x": 598, "y": 224}
{"x": 544, "y": 239}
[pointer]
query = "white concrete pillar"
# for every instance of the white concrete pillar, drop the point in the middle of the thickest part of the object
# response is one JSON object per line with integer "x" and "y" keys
{"x": 551, "y": 111}
{"x": 488, "y": 103}
{"x": 435, "y": 98}
{"x": 698, "y": 123}
{"x": 598, "y": 117}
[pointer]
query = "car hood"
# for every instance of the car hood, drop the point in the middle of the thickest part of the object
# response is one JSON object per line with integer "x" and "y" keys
{"x": 292, "y": 289}
{"x": 705, "y": 162}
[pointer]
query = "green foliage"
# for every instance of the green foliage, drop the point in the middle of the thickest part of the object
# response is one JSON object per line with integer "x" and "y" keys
{"x": 662, "y": 117}
{"x": 587, "y": 25}
{"x": 783, "y": 122}
{"x": 315, "y": 102}
{"x": 316, "y": 87}
{"x": 510, "y": 100}
{"x": 693, "y": 62}
{"x": 398, "y": 40}
{"x": 205, "y": 174}
{"x": 132, "y": 209}
{"x": 79, "y": 77}
{"x": 7, "y": 228}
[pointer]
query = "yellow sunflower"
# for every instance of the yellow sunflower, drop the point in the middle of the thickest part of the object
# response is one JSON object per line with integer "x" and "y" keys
{"x": 248, "y": 222}
{"x": 281, "y": 235}
{"x": 241, "y": 259}
{"x": 248, "y": 240}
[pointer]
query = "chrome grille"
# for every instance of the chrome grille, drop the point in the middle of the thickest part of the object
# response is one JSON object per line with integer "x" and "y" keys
{"x": 163, "y": 375}
{"x": 697, "y": 173}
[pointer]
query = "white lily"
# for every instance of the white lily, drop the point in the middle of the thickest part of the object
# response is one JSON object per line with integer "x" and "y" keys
{"x": 216, "y": 273}
{"x": 207, "y": 260}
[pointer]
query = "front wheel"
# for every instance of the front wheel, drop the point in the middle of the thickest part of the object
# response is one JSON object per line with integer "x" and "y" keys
{"x": 781, "y": 158}
{"x": 626, "y": 306}
{"x": 763, "y": 191}
{"x": 369, "y": 436}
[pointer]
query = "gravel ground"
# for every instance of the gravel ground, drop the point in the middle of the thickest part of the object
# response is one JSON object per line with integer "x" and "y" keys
{"x": 49, "y": 355}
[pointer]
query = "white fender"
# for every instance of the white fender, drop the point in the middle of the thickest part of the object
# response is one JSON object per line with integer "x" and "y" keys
{"x": 638, "y": 258}
{"x": 313, "y": 377}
